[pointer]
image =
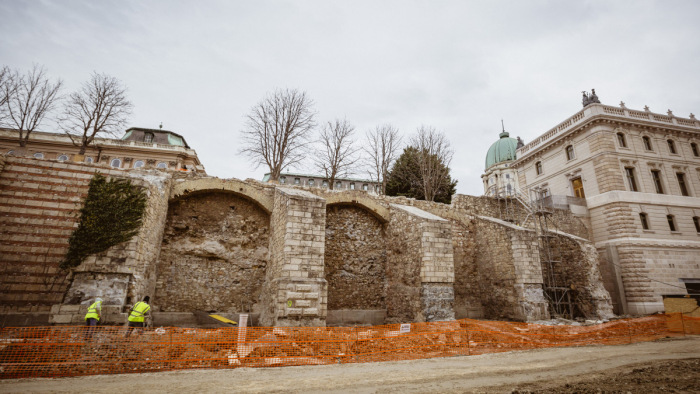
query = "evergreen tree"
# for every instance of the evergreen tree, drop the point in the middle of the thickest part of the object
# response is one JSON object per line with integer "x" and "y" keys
{"x": 405, "y": 179}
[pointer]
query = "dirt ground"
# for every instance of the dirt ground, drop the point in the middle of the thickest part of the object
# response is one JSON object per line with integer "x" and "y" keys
{"x": 670, "y": 365}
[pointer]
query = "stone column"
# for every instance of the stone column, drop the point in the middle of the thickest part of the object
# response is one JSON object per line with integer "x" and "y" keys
{"x": 433, "y": 236}
{"x": 295, "y": 291}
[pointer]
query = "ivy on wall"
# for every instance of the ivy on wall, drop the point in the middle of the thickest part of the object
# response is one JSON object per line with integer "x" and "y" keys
{"x": 112, "y": 214}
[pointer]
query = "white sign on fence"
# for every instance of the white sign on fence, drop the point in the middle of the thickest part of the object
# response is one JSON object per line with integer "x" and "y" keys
{"x": 406, "y": 327}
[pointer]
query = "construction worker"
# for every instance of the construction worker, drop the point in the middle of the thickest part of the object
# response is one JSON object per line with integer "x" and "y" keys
{"x": 92, "y": 318}
{"x": 138, "y": 313}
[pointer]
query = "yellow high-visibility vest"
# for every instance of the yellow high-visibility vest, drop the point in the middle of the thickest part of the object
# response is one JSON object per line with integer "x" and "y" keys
{"x": 138, "y": 312}
{"x": 92, "y": 310}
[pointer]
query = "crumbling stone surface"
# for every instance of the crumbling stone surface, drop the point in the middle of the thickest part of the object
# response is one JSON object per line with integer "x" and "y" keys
{"x": 355, "y": 259}
{"x": 214, "y": 254}
{"x": 438, "y": 301}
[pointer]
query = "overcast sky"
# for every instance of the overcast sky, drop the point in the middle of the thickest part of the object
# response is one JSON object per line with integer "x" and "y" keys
{"x": 460, "y": 66}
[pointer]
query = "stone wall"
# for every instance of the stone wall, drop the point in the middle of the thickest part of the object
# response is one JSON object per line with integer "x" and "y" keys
{"x": 214, "y": 254}
{"x": 294, "y": 293}
{"x": 577, "y": 269}
{"x": 355, "y": 259}
{"x": 280, "y": 251}
{"x": 403, "y": 297}
{"x": 467, "y": 289}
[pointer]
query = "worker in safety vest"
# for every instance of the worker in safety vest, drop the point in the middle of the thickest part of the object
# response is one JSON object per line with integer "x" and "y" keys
{"x": 138, "y": 313}
{"x": 92, "y": 318}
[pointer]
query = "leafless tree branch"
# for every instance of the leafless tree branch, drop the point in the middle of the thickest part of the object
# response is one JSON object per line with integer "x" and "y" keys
{"x": 434, "y": 157}
{"x": 277, "y": 129}
{"x": 8, "y": 86}
{"x": 383, "y": 146}
{"x": 338, "y": 154}
{"x": 99, "y": 107}
{"x": 34, "y": 97}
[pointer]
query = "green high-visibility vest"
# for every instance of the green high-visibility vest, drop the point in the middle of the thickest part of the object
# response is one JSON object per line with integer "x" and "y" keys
{"x": 92, "y": 310}
{"x": 138, "y": 312}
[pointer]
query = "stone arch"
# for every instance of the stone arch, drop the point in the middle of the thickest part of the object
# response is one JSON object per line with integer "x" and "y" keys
{"x": 260, "y": 195}
{"x": 355, "y": 264}
{"x": 380, "y": 211}
{"x": 214, "y": 252}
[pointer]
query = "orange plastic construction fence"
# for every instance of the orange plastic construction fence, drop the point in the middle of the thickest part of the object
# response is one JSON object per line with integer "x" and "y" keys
{"x": 75, "y": 351}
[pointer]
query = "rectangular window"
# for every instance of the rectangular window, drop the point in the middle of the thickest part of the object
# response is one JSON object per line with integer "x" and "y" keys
{"x": 631, "y": 181}
{"x": 694, "y": 148}
{"x": 696, "y": 222}
{"x": 538, "y": 167}
{"x": 283, "y": 180}
{"x": 621, "y": 140}
{"x": 352, "y": 186}
{"x": 577, "y": 185}
{"x": 671, "y": 146}
{"x": 647, "y": 143}
{"x": 311, "y": 182}
{"x": 681, "y": 183}
{"x": 643, "y": 219}
{"x": 671, "y": 222}
{"x": 297, "y": 181}
{"x": 656, "y": 175}
{"x": 338, "y": 185}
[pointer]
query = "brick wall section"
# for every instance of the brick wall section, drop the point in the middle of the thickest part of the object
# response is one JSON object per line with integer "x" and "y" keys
{"x": 294, "y": 293}
{"x": 214, "y": 254}
{"x": 355, "y": 259}
{"x": 39, "y": 203}
{"x": 124, "y": 273}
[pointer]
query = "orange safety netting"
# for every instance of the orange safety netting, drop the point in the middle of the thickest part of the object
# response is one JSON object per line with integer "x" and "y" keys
{"x": 75, "y": 351}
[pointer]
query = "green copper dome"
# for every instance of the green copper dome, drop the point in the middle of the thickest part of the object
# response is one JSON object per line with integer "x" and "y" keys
{"x": 501, "y": 150}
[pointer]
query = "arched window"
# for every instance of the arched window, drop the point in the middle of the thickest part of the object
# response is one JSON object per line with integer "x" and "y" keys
{"x": 138, "y": 164}
{"x": 311, "y": 182}
{"x": 570, "y": 152}
{"x": 148, "y": 137}
{"x": 62, "y": 158}
{"x": 324, "y": 184}
{"x": 647, "y": 143}
{"x": 10, "y": 152}
{"x": 162, "y": 165}
{"x": 88, "y": 160}
{"x": 538, "y": 168}
{"x": 671, "y": 146}
{"x": 338, "y": 185}
{"x": 116, "y": 163}
{"x": 621, "y": 140}
{"x": 38, "y": 155}
{"x": 297, "y": 181}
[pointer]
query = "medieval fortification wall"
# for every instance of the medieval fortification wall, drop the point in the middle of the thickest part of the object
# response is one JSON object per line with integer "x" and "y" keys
{"x": 292, "y": 256}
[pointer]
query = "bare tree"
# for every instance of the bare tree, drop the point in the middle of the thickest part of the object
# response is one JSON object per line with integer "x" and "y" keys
{"x": 99, "y": 107}
{"x": 434, "y": 157}
{"x": 338, "y": 154}
{"x": 8, "y": 86}
{"x": 277, "y": 129}
{"x": 34, "y": 97}
{"x": 382, "y": 150}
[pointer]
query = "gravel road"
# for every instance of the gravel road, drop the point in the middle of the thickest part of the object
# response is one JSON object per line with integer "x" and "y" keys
{"x": 493, "y": 373}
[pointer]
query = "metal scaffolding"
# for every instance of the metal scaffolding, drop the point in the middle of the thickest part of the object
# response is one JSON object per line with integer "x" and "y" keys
{"x": 521, "y": 209}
